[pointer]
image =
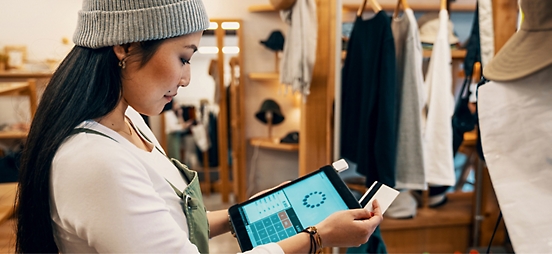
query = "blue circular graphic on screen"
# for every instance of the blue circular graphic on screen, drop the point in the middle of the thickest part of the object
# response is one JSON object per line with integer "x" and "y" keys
{"x": 314, "y": 199}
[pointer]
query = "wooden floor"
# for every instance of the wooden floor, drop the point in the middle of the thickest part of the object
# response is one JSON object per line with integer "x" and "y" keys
{"x": 7, "y": 236}
{"x": 445, "y": 229}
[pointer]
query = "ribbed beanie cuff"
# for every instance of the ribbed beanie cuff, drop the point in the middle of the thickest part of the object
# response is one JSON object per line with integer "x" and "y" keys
{"x": 104, "y": 23}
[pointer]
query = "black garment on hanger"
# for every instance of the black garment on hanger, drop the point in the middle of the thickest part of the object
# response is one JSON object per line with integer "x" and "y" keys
{"x": 369, "y": 100}
{"x": 463, "y": 120}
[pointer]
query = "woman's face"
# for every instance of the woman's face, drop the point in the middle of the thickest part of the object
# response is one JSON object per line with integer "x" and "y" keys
{"x": 148, "y": 88}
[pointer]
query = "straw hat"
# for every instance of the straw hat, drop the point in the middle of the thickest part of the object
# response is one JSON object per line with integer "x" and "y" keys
{"x": 528, "y": 50}
{"x": 429, "y": 27}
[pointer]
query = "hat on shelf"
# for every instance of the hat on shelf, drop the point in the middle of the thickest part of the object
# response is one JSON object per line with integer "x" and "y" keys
{"x": 527, "y": 51}
{"x": 275, "y": 41}
{"x": 291, "y": 138}
{"x": 429, "y": 27}
{"x": 271, "y": 106}
{"x": 117, "y": 22}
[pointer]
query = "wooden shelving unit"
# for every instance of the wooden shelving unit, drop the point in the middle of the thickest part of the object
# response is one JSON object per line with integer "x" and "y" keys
{"x": 261, "y": 8}
{"x": 273, "y": 144}
{"x": 22, "y": 74}
{"x": 434, "y": 230}
{"x": 264, "y": 76}
{"x": 454, "y": 6}
{"x": 19, "y": 89}
{"x": 454, "y": 53}
{"x": 13, "y": 134}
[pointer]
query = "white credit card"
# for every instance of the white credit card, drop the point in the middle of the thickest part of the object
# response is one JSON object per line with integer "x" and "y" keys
{"x": 383, "y": 193}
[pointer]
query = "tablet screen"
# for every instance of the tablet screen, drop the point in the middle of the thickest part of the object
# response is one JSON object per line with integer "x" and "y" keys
{"x": 286, "y": 211}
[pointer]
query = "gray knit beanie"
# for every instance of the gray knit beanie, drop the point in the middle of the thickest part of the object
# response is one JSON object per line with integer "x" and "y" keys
{"x": 104, "y": 23}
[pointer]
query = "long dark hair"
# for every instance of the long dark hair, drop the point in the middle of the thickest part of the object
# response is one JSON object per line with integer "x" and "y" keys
{"x": 86, "y": 85}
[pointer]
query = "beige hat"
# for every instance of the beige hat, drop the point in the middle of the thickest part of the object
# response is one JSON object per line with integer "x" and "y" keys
{"x": 104, "y": 23}
{"x": 429, "y": 27}
{"x": 528, "y": 50}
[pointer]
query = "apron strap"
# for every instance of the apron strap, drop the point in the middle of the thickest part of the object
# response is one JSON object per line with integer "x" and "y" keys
{"x": 182, "y": 172}
{"x": 86, "y": 130}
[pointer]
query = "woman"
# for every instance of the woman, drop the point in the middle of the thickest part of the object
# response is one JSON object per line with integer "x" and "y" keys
{"x": 93, "y": 176}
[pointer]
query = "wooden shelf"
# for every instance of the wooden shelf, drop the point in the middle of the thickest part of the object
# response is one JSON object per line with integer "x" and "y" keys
{"x": 13, "y": 88}
{"x": 445, "y": 229}
{"x": 273, "y": 144}
{"x": 264, "y": 76}
{"x": 454, "y": 6}
{"x": 23, "y": 74}
{"x": 24, "y": 89}
{"x": 454, "y": 53}
{"x": 12, "y": 134}
{"x": 261, "y": 8}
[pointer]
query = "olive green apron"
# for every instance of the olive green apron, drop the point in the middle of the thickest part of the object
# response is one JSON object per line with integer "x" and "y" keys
{"x": 190, "y": 199}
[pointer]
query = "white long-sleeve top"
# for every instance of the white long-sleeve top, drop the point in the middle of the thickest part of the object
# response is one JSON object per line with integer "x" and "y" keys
{"x": 111, "y": 196}
{"x": 440, "y": 107}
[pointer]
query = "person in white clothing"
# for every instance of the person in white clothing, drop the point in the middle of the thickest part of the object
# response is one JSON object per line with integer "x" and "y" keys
{"x": 176, "y": 129}
{"x": 93, "y": 176}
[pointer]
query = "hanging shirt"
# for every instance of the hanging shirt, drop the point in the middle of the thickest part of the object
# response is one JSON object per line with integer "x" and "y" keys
{"x": 486, "y": 32}
{"x": 440, "y": 107}
{"x": 300, "y": 46}
{"x": 369, "y": 100}
{"x": 410, "y": 81}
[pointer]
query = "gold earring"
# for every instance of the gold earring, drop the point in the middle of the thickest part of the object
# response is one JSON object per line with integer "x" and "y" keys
{"x": 122, "y": 63}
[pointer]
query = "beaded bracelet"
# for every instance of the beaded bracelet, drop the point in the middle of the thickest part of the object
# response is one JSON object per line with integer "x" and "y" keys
{"x": 315, "y": 240}
{"x": 231, "y": 227}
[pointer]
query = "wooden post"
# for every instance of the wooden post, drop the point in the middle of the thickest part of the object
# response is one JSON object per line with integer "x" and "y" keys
{"x": 316, "y": 139}
{"x": 222, "y": 123}
{"x": 269, "y": 124}
{"x": 33, "y": 99}
{"x": 276, "y": 62}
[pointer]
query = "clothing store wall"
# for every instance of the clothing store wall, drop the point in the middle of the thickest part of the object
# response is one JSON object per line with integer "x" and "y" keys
{"x": 41, "y": 26}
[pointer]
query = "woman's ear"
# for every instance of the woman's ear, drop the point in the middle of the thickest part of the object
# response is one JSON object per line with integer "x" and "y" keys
{"x": 121, "y": 51}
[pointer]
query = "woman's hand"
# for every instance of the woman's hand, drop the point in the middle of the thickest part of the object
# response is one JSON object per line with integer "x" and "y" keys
{"x": 341, "y": 229}
{"x": 350, "y": 227}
